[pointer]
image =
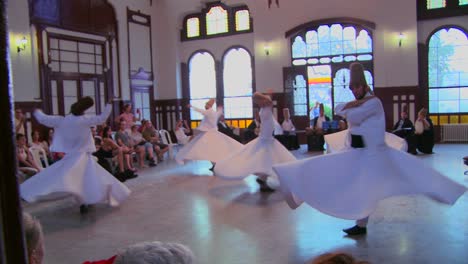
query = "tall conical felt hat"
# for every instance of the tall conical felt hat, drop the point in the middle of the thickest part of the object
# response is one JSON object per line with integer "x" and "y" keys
{"x": 81, "y": 105}
{"x": 357, "y": 77}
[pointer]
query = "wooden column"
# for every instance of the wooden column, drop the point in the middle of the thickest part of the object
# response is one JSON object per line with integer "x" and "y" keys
{"x": 12, "y": 242}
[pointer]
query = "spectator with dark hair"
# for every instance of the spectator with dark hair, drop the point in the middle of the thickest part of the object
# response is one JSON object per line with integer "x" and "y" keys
{"x": 404, "y": 128}
{"x": 110, "y": 149}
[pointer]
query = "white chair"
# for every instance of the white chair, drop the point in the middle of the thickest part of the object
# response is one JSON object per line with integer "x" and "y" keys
{"x": 166, "y": 139}
{"x": 40, "y": 157}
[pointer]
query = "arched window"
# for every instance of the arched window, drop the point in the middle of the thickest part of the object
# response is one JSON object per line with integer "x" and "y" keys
{"x": 237, "y": 80}
{"x": 216, "y": 21}
{"x": 448, "y": 71}
{"x": 242, "y": 20}
{"x": 432, "y": 4}
{"x": 193, "y": 27}
{"x": 202, "y": 81}
{"x": 327, "y": 50}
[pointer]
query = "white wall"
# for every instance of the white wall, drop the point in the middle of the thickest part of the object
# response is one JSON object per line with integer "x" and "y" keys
{"x": 270, "y": 26}
{"x": 23, "y": 64}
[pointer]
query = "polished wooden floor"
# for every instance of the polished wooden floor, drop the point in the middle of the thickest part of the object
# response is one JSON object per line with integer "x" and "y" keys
{"x": 227, "y": 222}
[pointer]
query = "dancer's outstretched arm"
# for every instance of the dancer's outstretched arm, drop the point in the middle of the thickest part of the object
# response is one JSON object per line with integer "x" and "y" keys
{"x": 47, "y": 120}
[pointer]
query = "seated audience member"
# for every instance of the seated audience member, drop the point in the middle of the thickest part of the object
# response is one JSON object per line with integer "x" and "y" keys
{"x": 181, "y": 131}
{"x": 37, "y": 143}
{"x": 34, "y": 239}
{"x": 314, "y": 112}
{"x": 48, "y": 142}
{"x": 150, "y": 134}
{"x": 110, "y": 149}
{"x": 26, "y": 163}
{"x": 151, "y": 253}
{"x": 129, "y": 117}
{"x": 318, "y": 121}
{"x": 317, "y": 129}
{"x": 404, "y": 128}
{"x": 253, "y": 129}
{"x": 20, "y": 121}
{"x": 336, "y": 258}
{"x": 424, "y": 132}
{"x": 289, "y": 138}
{"x": 226, "y": 129}
{"x": 138, "y": 140}
{"x": 124, "y": 140}
{"x": 287, "y": 124}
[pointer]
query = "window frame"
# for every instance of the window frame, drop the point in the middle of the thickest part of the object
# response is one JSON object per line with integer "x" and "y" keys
{"x": 438, "y": 115}
{"x": 302, "y": 30}
{"x": 451, "y": 9}
{"x": 231, "y": 13}
{"x": 222, "y": 88}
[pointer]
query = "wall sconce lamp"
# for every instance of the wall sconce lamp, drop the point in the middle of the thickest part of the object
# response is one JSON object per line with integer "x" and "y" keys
{"x": 21, "y": 44}
{"x": 267, "y": 49}
{"x": 401, "y": 37}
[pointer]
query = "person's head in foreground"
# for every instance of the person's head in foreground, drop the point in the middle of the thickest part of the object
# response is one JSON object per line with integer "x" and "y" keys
{"x": 336, "y": 258}
{"x": 155, "y": 253}
{"x": 34, "y": 239}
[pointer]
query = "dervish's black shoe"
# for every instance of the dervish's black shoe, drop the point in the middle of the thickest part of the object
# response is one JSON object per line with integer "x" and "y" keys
{"x": 355, "y": 231}
{"x": 84, "y": 209}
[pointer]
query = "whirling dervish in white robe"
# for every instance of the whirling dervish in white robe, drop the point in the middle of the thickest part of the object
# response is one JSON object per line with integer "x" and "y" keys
{"x": 356, "y": 178}
{"x": 208, "y": 143}
{"x": 77, "y": 173}
{"x": 259, "y": 155}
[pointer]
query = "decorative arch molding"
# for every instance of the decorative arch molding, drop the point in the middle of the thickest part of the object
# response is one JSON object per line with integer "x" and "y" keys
{"x": 341, "y": 20}
{"x": 464, "y": 30}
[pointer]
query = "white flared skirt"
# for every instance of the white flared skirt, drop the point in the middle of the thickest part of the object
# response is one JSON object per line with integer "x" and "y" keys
{"x": 349, "y": 184}
{"x": 338, "y": 141}
{"x": 256, "y": 157}
{"x": 77, "y": 174}
{"x": 210, "y": 145}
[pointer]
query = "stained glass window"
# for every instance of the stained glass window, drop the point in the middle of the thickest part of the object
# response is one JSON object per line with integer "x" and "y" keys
{"x": 242, "y": 20}
{"x": 202, "y": 81}
{"x": 193, "y": 27}
{"x": 320, "y": 86}
{"x": 216, "y": 21}
{"x": 300, "y": 96}
{"x": 432, "y": 4}
{"x": 448, "y": 71}
{"x": 298, "y": 48}
{"x": 325, "y": 48}
{"x": 237, "y": 79}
